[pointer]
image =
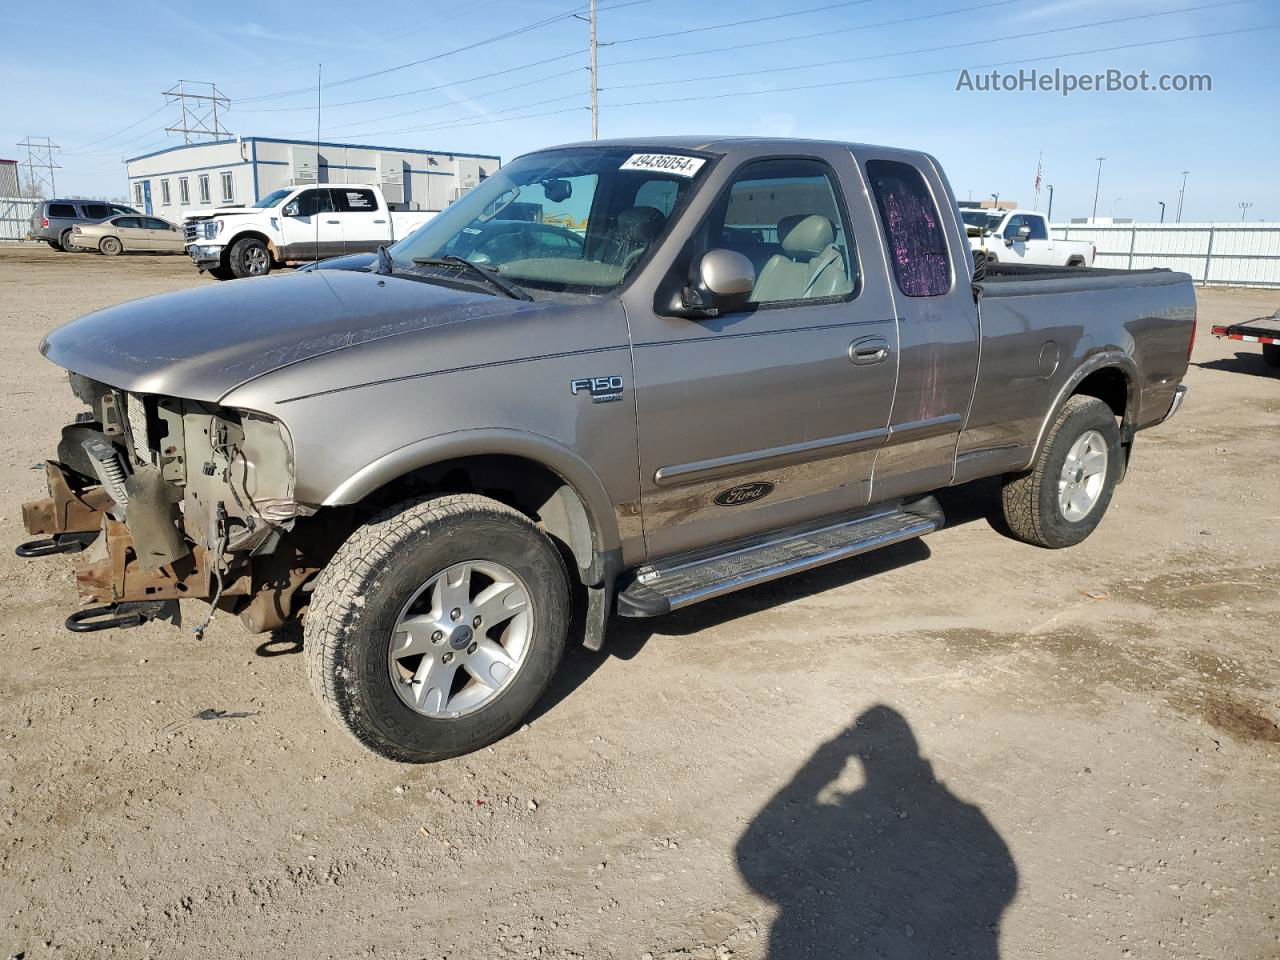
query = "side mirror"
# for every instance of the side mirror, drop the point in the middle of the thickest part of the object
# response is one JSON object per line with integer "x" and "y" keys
{"x": 292, "y": 209}
{"x": 1023, "y": 234}
{"x": 721, "y": 282}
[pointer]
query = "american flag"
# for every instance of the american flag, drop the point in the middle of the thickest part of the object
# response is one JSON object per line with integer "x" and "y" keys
{"x": 1038, "y": 165}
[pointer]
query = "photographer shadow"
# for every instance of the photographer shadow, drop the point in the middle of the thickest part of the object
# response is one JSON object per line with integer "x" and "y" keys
{"x": 899, "y": 868}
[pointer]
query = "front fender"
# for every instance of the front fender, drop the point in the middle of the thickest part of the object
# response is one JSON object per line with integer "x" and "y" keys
{"x": 489, "y": 441}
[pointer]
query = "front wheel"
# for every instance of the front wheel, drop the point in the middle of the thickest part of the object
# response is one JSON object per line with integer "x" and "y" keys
{"x": 221, "y": 273}
{"x": 437, "y": 626}
{"x": 1271, "y": 354}
{"x": 1061, "y": 500}
{"x": 250, "y": 258}
{"x": 110, "y": 247}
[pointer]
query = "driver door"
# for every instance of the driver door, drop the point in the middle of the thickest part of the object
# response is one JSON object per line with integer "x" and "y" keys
{"x": 771, "y": 415}
{"x": 310, "y": 228}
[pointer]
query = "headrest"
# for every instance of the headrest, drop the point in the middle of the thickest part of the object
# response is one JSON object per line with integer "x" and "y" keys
{"x": 640, "y": 222}
{"x": 805, "y": 236}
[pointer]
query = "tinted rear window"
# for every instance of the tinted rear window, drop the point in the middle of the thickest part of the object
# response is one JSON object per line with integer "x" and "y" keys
{"x": 97, "y": 211}
{"x": 355, "y": 201}
{"x": 912, "y": 228}
{"x": 62, "y": 210}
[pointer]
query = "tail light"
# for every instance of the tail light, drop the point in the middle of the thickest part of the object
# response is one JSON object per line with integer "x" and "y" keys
{"x": 44, "y": 221}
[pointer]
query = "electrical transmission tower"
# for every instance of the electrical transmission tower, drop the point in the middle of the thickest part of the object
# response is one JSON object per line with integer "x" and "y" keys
{"x": 40, "y": 164}
{"x": 199, "y": 110}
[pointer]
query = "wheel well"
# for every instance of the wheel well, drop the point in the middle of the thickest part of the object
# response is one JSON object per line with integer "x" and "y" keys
{"x": 1110, "y": 385}
{"x": 225, "y": 259}
{"x": 1075, "y": 261}
{"x": 524, "y": 484}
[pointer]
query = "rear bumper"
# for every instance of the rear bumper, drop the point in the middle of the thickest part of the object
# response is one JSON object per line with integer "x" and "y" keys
{"x": 1178, "y": 397}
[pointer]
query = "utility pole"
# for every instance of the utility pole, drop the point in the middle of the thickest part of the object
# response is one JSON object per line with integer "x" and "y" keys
{"x": 200, "y": 114}
{"x": 595, "y": 73}
{"x": 1181, "y": 194}
{"x": 1244, "y": 209}
{"x": 40, "y": 158}
{"x": 1096, "y": 187}
{"x": 995, "y": 199}
{"x": 1161, "y": 202}
{"x": 1049, "y": 213}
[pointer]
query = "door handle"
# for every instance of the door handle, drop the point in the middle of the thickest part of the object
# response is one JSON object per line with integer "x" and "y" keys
{"x": 379, "y": 221}
{"x": 333, "y": 221}
{"x": 868, "y": 350}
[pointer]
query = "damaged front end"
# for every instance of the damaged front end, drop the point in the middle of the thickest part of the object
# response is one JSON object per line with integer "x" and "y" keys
{"x": 170, "y": 499}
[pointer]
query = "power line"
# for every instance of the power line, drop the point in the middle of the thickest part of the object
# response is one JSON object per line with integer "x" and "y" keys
{"x": 82, "y": 148}
{"x": 948, "y": 46}
{"x": 546, "y": 21}
{"x": 740, "y": 23}
{"x": 459, "y": 122}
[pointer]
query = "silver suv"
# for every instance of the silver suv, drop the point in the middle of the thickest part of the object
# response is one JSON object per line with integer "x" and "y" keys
{"x": 54, "y": 219}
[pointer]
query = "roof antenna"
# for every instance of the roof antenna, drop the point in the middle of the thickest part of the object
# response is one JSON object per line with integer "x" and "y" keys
{"x": 315, "y": 252}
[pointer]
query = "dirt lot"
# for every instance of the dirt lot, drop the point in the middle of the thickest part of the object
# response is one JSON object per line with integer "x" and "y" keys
{"x": 1000, "y": 751}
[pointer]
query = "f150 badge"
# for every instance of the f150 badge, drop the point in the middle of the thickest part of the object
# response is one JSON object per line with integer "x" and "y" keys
{"x": 602, "y": 389}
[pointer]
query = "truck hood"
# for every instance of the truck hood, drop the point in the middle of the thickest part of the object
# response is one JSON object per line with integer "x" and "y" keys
{"x": 231, "y": 212}
{"x": 201, "y": 344}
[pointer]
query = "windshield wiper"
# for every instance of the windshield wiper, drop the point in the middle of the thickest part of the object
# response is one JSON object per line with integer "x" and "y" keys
{"x": 386, "y": 266}
{"x": 510, "y": 289}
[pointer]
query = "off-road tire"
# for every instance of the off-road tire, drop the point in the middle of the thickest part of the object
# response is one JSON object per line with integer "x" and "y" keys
{"x": 243, "y": 253}
{"x": 1030, "y": 500}
{"x": 1271, "y": 354}
{"x": 110, "y": 247}
{"x": 221, "y": 273}
{"x": 358, "y": 598}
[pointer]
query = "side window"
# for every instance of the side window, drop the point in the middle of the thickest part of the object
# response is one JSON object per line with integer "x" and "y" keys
{"x": 204, "y": 188}
{"x": 137, "y": 194}
{"x": 228, "y": 187}
{"x": 1038, "y": 229}
{"x": 62, "y": 210}
{"x": 184, "y": 190}
{"x": 912, "y": 228}
{"x": 153, "y": 223}
{"x": 97, "y": 211}
{"x": 127, "y": 223}
{"x": 785, "y": 217}
{"x": 355, "y": 201}
{"x": 1015, "y": 224}
{"x": 117, "y": 208}
{"x": 312, "y": 202}
{"x": 165, "y": 196}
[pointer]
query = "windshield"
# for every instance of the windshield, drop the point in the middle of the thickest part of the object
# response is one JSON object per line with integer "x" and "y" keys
{"x": 981, "y": 218}
{"x": 577, "y": 220}
{"x": 272, "y": 199}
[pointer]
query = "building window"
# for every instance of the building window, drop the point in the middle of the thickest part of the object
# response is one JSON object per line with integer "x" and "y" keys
{"x": 228, "y": 193}
{"x": 184, "y": 191}
{"x": 137, "y": 194}
{"x": 165, "y": 197}
{"x": 204, "y": 188}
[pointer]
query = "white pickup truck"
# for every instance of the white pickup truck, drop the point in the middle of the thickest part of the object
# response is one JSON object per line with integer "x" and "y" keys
{"x": 1023, "y": 236}
{"x": 293, "y": 224}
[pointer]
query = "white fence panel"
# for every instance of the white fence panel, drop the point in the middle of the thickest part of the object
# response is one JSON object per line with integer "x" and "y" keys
{"x": 15, "y": 216}
{"x": 1235, "y": 254}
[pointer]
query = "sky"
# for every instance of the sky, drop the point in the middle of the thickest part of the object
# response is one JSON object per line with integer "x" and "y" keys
{"x": 874, "y": 71}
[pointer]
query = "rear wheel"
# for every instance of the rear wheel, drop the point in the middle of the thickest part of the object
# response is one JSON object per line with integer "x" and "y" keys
{"x": 65, "y": 241}
{"x": 250, "y": 258}
{"x": 55, "y": 244}
{"x": 110, "y": 246}
{"x": 437, "y": 626}
{"x": 1271, "y": 354}
{"x": 1062, "y": 499}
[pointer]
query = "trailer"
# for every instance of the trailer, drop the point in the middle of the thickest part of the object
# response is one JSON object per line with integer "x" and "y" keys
{"x": 1263, "y": 330}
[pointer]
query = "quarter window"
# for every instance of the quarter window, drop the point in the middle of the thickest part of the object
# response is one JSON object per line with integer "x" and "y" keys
{"x": 62, "y": 210}
{"x": 228, "y": 191}
{"x": 165, "y": 197}
{"x": 912, "y": 228}
{"x": 204, "y": 188}
{"x": 184, "y": 190}
{"x": 784, "y": 216}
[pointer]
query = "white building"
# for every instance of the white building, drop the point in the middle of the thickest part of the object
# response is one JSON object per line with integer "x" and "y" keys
{"x": 173, "y": 182}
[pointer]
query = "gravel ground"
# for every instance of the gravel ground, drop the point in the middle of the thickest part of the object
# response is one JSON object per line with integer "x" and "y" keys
{"x": 961, "y": 747}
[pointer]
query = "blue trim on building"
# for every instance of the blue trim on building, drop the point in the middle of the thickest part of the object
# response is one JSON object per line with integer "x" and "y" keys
{"x": 322, "y": 143}
{"x": 174, "y": 173}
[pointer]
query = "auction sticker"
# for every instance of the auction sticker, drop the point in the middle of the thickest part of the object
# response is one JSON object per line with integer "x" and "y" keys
{"x": 664, "y": 163}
